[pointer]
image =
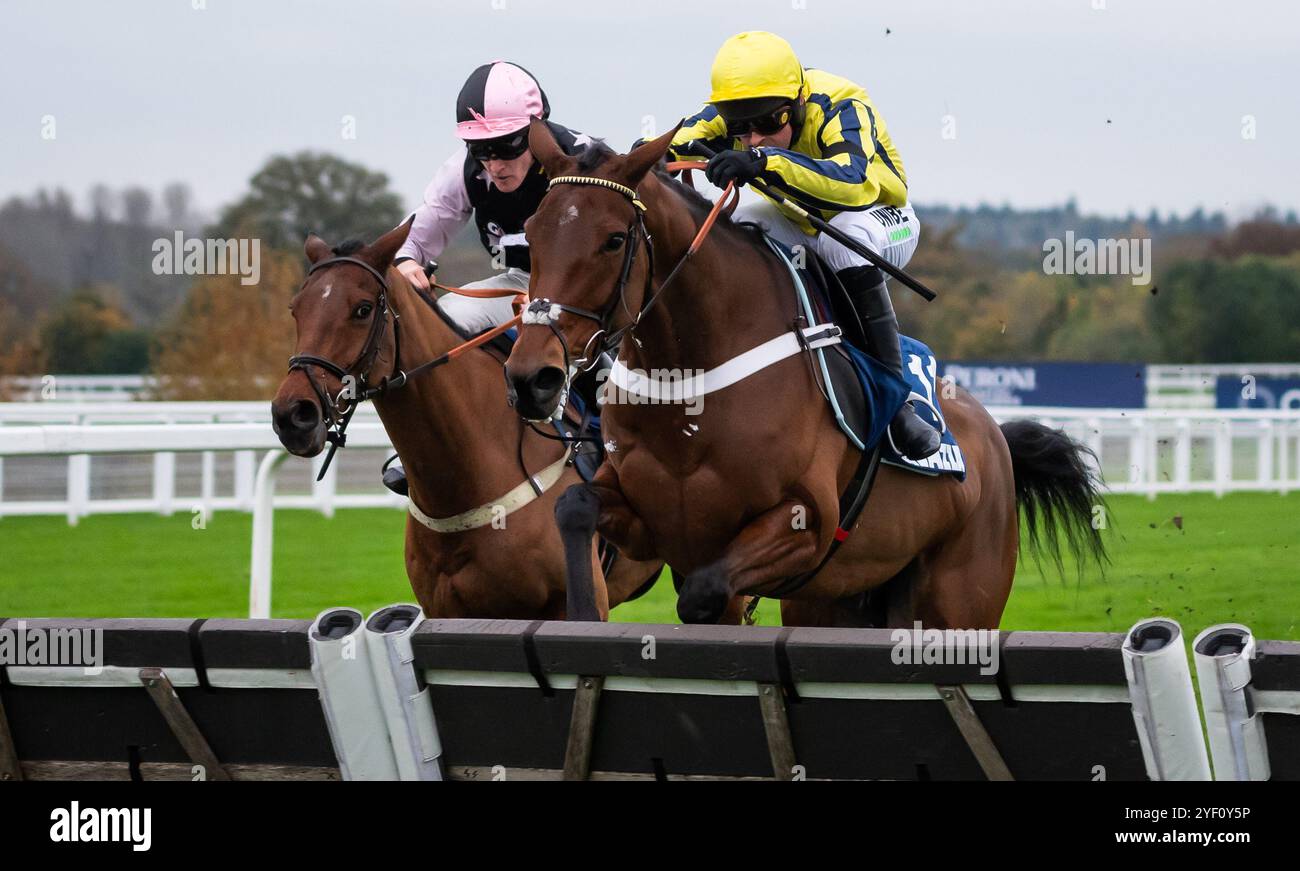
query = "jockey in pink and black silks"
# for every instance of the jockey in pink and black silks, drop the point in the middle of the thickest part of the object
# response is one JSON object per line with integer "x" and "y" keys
{"x": 493, "y": 179}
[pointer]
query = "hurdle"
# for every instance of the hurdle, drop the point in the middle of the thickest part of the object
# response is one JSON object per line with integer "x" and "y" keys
{"x": 171, "y": 699}
{"x": 395, "y": 696}
{"x": 694, "y": 702}
{"x": 1251, "y": 694}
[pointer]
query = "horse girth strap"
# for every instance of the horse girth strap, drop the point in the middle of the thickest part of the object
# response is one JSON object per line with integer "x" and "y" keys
{"x": 527, "y": 491}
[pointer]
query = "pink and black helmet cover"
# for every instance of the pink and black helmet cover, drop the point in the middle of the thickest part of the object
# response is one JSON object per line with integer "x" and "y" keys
{"x": 498, "y": 99}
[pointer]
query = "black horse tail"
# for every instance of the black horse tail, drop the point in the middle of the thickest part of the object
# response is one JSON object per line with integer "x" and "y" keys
{"x": 1058, "y": 493}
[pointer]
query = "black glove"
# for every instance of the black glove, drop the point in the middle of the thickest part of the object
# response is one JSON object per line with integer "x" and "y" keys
{"x": 737, "y": 166}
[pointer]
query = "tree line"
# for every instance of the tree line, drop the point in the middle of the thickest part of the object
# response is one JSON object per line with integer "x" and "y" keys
{"x": 78, "y": 293}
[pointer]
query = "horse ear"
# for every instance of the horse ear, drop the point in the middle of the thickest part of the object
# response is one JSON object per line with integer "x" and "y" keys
{"x": 381, "y": 252}
{"x": 541, "y": 142}
{"x": 646, "y": 155}
{"x": 316, "y": 248}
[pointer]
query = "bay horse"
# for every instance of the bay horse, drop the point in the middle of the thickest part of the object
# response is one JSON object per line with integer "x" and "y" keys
{"x": 461, "y": 445}
{"x": 745, "y": 494}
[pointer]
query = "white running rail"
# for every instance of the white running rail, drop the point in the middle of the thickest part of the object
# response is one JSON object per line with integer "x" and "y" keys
{"x": 1143, "y": 451}
{"x": 254, "y": 491}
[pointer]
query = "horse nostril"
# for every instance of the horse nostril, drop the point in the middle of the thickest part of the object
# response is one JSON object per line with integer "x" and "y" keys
{"x": 548, "y": 381}
{"x": 304, "y": 414}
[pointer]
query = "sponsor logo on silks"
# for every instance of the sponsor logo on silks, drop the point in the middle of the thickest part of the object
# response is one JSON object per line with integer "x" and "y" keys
{"x": 889, "y": 216}
{"x": 76, "y": 824}
{"x": 900, "y": 234}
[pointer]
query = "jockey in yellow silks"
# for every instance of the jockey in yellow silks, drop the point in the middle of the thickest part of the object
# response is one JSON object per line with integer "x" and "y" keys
{"x": 818, "y": 139}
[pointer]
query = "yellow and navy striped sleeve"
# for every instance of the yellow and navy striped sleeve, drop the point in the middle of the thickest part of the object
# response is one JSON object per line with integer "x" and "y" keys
{"x": 708, "y": 127}
{"x": 842, "y": 178}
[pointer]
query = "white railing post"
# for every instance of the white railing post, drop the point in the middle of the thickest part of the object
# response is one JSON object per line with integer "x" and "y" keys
{"x": 1093, "y": 439}
{"x": 1264, "y": 473}
{"x": 1222, "y": 456}
{"x": 244, "y": 473}
{"x": 1283, "y": 459}
{"x": 1297, "y": 455}
{"x": 1183, "y": 454}
{"x": 1152, "y": 445}
{"x": 1137, "y": 455}
{"x": 207, "y": 482}
{"x": 78, "y": 487}
{"x": 164, "y": 482}
{"x": 259, "y": 575}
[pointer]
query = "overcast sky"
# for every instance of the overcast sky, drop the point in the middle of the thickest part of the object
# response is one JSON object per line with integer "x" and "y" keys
{"x": 1133, "y": 106}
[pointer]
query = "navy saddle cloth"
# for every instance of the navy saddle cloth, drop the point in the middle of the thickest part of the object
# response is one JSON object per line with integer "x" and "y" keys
{"x": 864, "y": 394}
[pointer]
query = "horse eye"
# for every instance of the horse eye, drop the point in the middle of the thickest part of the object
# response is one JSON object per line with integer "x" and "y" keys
{"x": 362, "y": 311}
{"x": 615, "y": 241}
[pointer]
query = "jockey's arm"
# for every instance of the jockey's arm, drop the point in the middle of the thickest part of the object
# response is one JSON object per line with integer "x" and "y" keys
{"x": 838, "y": 179}
{"x": 444, "y": 211}
{"x": 708, "y": 127}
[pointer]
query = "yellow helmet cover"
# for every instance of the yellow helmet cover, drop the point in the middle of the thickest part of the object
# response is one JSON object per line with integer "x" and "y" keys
{"x": 755, "y": 64}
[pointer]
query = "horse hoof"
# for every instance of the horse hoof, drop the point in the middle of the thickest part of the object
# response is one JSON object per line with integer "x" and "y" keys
{"x": 703, "y": 597}
{"x": 577, "y": 510}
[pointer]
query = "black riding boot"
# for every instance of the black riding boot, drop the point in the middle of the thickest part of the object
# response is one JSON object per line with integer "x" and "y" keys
{"x": 869, "y": 295}
{"x": 395, "y": 477}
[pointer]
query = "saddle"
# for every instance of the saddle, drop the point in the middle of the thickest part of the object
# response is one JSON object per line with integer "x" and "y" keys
{"x": 863, "y": 396}
{"x": 855, "y": 378}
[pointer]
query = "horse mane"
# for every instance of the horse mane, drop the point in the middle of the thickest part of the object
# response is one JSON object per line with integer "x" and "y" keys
{"x": 598, "y": 152}
{"x": 701, "y": 205}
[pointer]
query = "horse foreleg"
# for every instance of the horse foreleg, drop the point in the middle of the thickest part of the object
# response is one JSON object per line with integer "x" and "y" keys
{"x": 773, "y": 546}
{"x": 576, "y": 513}
{"x": 580, "y": 512}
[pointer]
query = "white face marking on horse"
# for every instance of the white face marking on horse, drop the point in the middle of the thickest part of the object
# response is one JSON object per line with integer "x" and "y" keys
{"x": 570, "y": 214}
{"x": 328, "y": 289}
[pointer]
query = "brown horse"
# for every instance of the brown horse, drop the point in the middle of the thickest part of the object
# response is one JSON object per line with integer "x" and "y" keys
{"x": 745, "y": 494}
{"x": 462, "y": 447}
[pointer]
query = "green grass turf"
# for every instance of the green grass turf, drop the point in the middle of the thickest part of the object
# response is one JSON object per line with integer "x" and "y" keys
{"x": 1234, "y": 559}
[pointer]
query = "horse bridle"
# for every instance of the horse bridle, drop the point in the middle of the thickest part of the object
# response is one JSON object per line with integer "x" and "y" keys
{"x": 546, "y": 313}
{"x": 336, "y": 415}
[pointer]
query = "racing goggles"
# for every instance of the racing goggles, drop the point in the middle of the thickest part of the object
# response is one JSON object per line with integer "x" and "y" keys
{"x": 764, "y": 124}
{"x": 502, "y": 148}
